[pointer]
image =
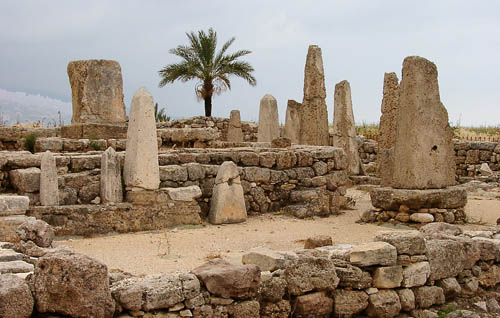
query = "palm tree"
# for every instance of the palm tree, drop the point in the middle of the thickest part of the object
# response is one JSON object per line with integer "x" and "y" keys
{"x": 211, "y": 68}
{"x": 160, "y": 116}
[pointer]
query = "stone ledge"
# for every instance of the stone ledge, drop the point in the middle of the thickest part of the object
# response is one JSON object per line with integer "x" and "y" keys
{"x": 95, "y": 131}
{"x": 391, "y": 199}
{"x": 86, "y": 220}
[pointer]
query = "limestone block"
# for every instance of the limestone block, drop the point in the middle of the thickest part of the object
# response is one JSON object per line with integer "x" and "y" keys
{"x": 446, "y": 258}
{"x": 426, "y": 296}
{"x": 7, "y": 255}
{"x": 384, "y": 303}
{"x": 344, "y": 131}
{"x": 373, "y": 253}
{"x": 388, "y": 277}
{"x": 406, "y": 242}
{"x": 226, "y": 280}
{"x": 313, "y": 305}
{"x": 490, "y": 248}
{"x": 318, "y": 241}
{"x": 424, "y": 157}
{"x": 313, "y": 113}
{"x": 13, "y": 204}
{"x": 416, "y": 274}
{"x": 310, "y": 274}
{"x": 190, "y": 193}
{"x": 267, "y": 259}
{"x": 228, "y": 202}
{"x": 16, "y": 300}
{"x": 387, "y": 129}
{"x": 49, "y": 188}
{"x": 72, "y": 284}
{"x": 450, "y": 286}
{"x": 111, "y": 178}
{"x": 97, "y": 91}
{"x": 14, "y": 267}
{"x": 234, "y": 132}
{"x": 292, "y": 121}
{"x": 37, "y": 231}
{"x": 407, "y": 299}
{"x": 141, "y": 168}
{"x": 173, "y": 173}
{"x": 53, "y": 144}
{"x": 269, "y": 127}
{"x": 347, "y": 303}
{"x": 422, "y": 217}
{"x": 8, "y": 226}
{"x": 25, "y": 180}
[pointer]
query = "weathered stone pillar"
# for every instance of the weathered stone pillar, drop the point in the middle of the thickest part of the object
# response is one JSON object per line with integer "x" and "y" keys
{"x": 97, "y": 92}
{"x": 423, "y": 151}
{"x": 111, "y": 177}
{"x": 49, "y": 189}
{"x": 228, "y": 203}
{"x": 292, "y": 121}
{"x": 141, "y": 170}
{"x": 387, "y": 128}
{"x": 344, "y": 131}
{"x": 234, "y": 132}
{"x": 313, "y": 114}
{"x": 269, "y": 125}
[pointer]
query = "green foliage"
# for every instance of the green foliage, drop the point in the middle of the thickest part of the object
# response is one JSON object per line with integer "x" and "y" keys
{"x": 29, "y": 142}
{"x": 160, "y": 116}
{"x": 366, "y": 129}
{"x": 212, "y": 69}
{"x": 94, "y": 144}
{"x": 445, "y": 311}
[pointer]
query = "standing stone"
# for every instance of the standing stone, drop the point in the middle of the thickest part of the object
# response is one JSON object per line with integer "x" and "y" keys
{"x": 313, "y": 114}
{"x": 228, "y": 203}
{"x": 111, "y": 178}
{"x": 292, "y": 121}
{"x": 49, "y": 191}
{"x": 423, "y": 152}
{"x": 269, "y": 125}
{"x": 141, "y": 169}
{"x": 387, "y": 130}
{"x": 344, "y": 131}
{"x": 234, "y": 132}
{"x": 97, "y": 91}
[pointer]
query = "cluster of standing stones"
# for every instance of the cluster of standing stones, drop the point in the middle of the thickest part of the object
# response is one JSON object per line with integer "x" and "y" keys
{"x": 400, "y": 273}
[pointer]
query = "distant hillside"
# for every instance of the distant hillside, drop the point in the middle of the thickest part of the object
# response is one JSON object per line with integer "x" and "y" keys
{"x": 22, "y": 107}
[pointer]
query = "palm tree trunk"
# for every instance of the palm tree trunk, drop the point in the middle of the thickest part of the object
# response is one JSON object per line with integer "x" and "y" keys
{"x": 208, "y": 106}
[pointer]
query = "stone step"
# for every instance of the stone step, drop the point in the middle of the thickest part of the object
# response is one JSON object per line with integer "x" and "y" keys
{"x": 23, "y": 275}
{"x": 9, "y": 225}
{"x": 13, "y": 204}
{"x": 10, "y": 255}
{"x": 16, "y": 267}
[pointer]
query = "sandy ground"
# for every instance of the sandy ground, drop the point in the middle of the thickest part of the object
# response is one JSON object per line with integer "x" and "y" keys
{"x": 184, "y": 248}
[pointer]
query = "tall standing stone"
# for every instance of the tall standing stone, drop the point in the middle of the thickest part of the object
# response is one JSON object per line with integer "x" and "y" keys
{"x": 344, "y": 130}
{"x": 97, "y": 92}
{"x": 234, "y": 132}
{"x": 228, "y": 202}
{"x": 111, "y": 177}
{"x": 269, "y": 125}
{"x": 423, "y": 152}
{"x": 292, "y": 121}
{"x": 387, "y": 128}
{"x": 49, "y": 191}
{"x": 141, "y": 169}
{"x": 314, "y": 114}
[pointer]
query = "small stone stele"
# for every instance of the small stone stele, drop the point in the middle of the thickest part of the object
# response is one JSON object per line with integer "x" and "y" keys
{"x": 49, "y": 191}
{"x": 228, "y": 202}
{"x": 269, "y": 127}
{"x": 234, "y": 132}
{"x": 292, "y": 121}
{"x": 111, "y": 178}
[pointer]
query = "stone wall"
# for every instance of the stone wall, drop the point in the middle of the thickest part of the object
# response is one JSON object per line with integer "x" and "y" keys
{"x": 469, "y": 155}
{"x": 303, "y": 181}
{"x": 400, "y": 273}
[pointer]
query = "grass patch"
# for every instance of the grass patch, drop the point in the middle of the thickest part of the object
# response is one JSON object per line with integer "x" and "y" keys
{"x": 445, "y": 311}
{"x": 29, "y": 142}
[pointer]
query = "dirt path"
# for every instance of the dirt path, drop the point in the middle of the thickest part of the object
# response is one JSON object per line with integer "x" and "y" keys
{"x": 188, "y": 247}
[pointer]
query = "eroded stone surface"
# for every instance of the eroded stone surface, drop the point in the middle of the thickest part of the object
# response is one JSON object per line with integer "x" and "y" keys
{"x": 13, "y": 204}
{"x": 234, "y": 132}
{"x": 16, "y": 300}
{"x": 269, "y": 127}
{"x": 292, "y": 121}
{"x": 49, "y": 189}
{"x": 373, "y": 253}
{"x": 111, "y": 177}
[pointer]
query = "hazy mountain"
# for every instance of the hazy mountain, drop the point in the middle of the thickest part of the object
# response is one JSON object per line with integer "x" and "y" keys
{"x": 22, "y": 107}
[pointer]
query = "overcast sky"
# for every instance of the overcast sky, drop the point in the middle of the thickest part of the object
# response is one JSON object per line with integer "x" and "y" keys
{"x": 360, "y": 40}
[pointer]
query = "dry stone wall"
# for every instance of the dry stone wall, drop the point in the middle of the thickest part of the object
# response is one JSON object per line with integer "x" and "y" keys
{"x": 400, "y": 274}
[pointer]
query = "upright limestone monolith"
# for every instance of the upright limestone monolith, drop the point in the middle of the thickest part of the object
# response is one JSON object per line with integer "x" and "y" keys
{"x": 234, "y": 132}
{"x": 387, "y": 128}
{"x": 269, "y": 125}
{"x": 292, "y": 121}
{"x": 111, "y": 177}
{"x": 313, "y": 114}
{"x": 141, "y": 169}
{"x": 97, "y": 92}
{"x": 228, "y": 202}
{"x": 344, "y": 131}
{"x": 49, "y": 189}
{"x": 423, "y": 151}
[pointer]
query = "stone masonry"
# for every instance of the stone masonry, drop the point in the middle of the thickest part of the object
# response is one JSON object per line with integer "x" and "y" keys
{"x": 234, "y": 132}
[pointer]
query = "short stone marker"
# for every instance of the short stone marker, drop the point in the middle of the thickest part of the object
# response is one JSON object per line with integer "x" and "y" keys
{"x": 269, "y": 126}
{"x": 141, "y": 169}
{"x": 292, "y": 121}
{"x": 234, "y": 132}
{"x": 228, "y": 202}
{"x": 49, "y": 189}
{"x": 111, "y": 178}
